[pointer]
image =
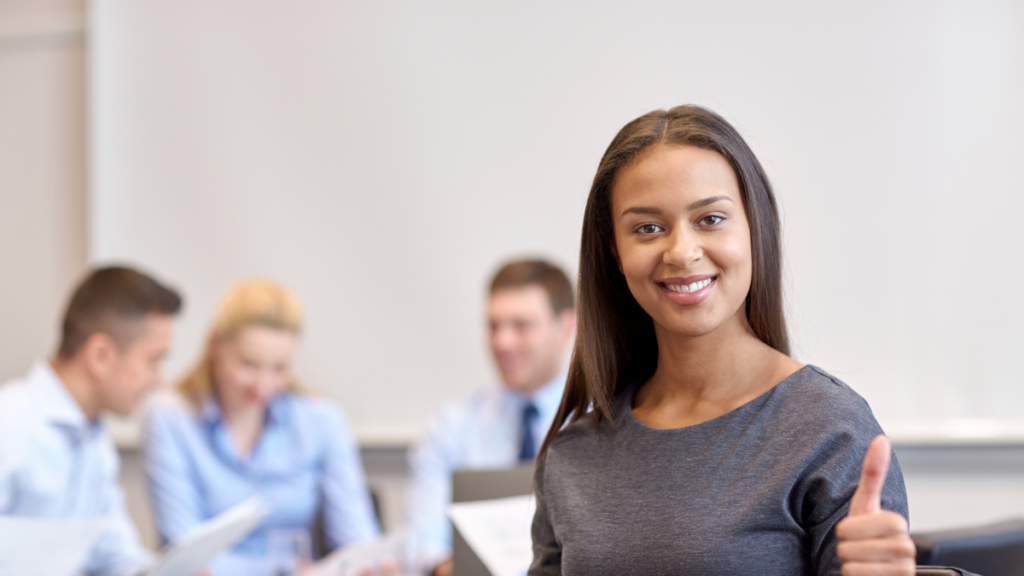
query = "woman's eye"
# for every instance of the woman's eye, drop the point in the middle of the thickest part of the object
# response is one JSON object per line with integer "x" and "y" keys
{"x": 711, "y": 220}
{"x": 648, "y": 229}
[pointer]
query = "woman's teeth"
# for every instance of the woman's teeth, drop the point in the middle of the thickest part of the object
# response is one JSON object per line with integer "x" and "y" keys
{"x": 687, "y": 288}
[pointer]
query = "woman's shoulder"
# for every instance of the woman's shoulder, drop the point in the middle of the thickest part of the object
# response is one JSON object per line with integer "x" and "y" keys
{"x": 580, "y": 429}
{"x": 575, "y": 438}
{"x": 586, "y": 429}
{"x": 813, "y": 389}
{"x": 812, "y": 403}
{"x": 169, "y": 418}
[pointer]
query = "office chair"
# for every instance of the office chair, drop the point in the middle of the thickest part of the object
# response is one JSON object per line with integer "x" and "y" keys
{"x": 992, "y": 550}
{"x": 318, "y": 533}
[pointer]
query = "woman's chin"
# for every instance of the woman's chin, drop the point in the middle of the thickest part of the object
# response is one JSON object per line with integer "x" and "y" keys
{"x": 692, "y": 327}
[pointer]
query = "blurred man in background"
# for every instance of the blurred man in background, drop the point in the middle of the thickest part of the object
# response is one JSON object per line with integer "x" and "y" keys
{"x": 532, "y": 321}
{"x": 56, "y": 459}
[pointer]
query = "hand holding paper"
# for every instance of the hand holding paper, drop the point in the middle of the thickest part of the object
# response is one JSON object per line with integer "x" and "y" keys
{"x": 192, "y": 553}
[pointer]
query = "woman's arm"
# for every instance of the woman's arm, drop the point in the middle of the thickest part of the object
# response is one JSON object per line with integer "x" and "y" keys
{"x": 873, "y": 541}
{"x": 835, "y": 436}
{"x": 348, "y": 510}
{"x": 547, "y": 552}
{"x": 177, "y": 505}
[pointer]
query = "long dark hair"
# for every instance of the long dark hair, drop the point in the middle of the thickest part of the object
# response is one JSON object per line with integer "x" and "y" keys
{"x": 615, "y": 341}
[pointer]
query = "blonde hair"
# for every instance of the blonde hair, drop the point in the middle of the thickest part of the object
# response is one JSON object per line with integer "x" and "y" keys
{"x": 247, "y": 303}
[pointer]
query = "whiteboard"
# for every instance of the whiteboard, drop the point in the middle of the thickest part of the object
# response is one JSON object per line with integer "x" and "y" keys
{"x": 383, "y": 158}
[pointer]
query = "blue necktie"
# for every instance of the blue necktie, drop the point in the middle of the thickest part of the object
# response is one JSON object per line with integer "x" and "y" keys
{"x": 529, "y": 449}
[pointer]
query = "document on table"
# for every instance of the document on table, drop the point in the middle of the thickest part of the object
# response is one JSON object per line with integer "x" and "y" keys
{"x": 498, "y": 531}
{"x": 196, "y": 549}
{"x": 378, "y": 556}
{"x": 46, "y": 547}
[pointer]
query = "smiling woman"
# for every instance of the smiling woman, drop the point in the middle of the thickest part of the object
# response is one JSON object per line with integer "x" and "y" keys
{"x": 679, "y": 209}
{"x": 688, "y": 441}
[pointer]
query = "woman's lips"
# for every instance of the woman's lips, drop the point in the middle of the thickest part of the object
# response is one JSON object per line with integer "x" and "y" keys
{"x": 688, "y": 291}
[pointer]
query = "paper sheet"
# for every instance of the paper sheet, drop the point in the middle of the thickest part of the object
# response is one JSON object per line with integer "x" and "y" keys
{"x": 46, "y": 547}
{"x": 367, "y": 558}
{"x": 194, "y": 551}
{"x": 498, "y": 531}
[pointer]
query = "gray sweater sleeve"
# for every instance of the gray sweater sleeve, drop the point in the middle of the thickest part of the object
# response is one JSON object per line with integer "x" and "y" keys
{"x": 547, "y": 553}
{"x": 828, "y": 502}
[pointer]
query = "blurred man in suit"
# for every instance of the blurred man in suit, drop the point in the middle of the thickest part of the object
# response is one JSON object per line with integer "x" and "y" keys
{"x": 532, "y": 320}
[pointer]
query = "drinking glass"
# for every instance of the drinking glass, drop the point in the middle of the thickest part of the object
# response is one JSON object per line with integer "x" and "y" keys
{"x": 390, "y": 555}
{"x": 290, "y": 552}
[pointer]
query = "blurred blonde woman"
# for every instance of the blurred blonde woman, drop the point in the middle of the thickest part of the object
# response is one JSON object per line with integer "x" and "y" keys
{"x": 241, "y": 424}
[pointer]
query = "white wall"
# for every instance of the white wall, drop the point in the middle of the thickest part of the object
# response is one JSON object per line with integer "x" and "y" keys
{"x": 42, "y": 173}
{"x": 42, "y": 191}
{"x": 383, "y": 157}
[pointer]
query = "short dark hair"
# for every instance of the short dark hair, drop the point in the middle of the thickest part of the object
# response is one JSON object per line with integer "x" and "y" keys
{"x": 106, "y": 300}
{"x": 551, "y": 278}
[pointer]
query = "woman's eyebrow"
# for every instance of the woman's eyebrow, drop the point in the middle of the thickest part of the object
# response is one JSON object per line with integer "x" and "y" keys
{"x": 641, "y": 210}
{"x": 656, "y": 211}
{"x": 707, "y": 201}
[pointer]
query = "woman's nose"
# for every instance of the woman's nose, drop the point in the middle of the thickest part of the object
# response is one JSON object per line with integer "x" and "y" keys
{"x": 683, "y": 248}
{"x": 265, "y": 382}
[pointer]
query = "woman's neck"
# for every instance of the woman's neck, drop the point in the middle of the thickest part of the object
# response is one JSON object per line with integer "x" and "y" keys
{"x": 245, "y": 426}
{"x": 701, "y": 378}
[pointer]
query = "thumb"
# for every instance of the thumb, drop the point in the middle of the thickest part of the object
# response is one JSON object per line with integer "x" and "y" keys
{"x": 868, "y": 497}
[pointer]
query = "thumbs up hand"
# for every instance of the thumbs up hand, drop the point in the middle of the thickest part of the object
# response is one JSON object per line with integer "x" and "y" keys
{"x": 873, "y": 541}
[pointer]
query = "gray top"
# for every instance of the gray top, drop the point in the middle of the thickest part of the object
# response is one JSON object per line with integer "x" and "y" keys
{"x": 755, "y": 491}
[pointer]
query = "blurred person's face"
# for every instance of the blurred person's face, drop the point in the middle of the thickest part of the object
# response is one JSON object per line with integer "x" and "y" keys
{"x": 251, "y": 367}
{"x": 125, "y": 375}
{"x": 682, "y": 239}
{"x": 527, "y": 339}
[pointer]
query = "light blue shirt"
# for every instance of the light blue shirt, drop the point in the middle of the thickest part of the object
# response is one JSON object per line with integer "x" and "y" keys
{"x": 306, "y": 462}
{"x": 55, "y": 463}
{"x": 478, "y": 432}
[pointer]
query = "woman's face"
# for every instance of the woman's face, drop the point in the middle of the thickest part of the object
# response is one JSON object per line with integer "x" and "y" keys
{"x": 682, "y": 239}
{"x": 252, "y": 366}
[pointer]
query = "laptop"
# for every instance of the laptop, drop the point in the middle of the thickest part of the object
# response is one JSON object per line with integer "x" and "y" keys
{"x": 473, "y": 485}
